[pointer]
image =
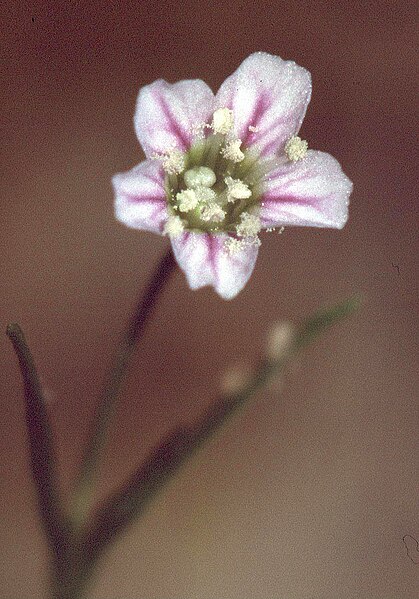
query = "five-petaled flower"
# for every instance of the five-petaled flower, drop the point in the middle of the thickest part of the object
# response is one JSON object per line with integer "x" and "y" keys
{"x": 221, "y": 168}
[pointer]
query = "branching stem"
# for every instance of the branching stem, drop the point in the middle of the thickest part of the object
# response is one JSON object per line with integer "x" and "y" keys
{"x": 84, "y": 488}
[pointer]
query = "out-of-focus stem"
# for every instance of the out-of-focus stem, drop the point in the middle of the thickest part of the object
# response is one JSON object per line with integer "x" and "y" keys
{"x": 84, "y": 488}
{"x": 42, "y": 456}
{"x": 134, "y": 496}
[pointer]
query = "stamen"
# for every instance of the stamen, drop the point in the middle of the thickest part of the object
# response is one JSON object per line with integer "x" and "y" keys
{"x": 222, "y": 120}
{"x": 250, "y": 225}
{"x": 232, "y": 151}
{"x": 233, "y": 246}
{"x": 236, "y": 189}
{"x": 187, "y": 199}
{"x": 173, "y": 161}
{"x": 296, "y": 148}
{"x": 213, "y": 212}
{"x": 205, "y": 195}
{"x": 199, "y": 176}
{"x": 174, "y": 226}
{"x": 198, "y": 129}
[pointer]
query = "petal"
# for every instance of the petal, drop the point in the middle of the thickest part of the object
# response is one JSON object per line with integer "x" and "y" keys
{"x": 140, "y": 198}
{"x": 270, "y": 94}
{"x": 166, "y": 114}
{"x": 205, "y": 261}
{"x": 311, "y": 192}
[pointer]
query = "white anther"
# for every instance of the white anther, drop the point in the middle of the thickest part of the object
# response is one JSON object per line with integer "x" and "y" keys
{"x": 199, "y": 176}
{"x": 213, "y": 212}
{"x": 253, "y": 129}
{"x": 232, "y": 151}
{"x": 198, "y": 129}
{"x": 236, "y": 189}
{"x": 173, "y": 161}
{"x": 174, "y": 226}
{"x": 296, "y": 148}
{"x": 233, "y": 246}
{"x": 250, "y": 225}
{"x": 205, "y": 195}
{"x": 187, "y": 199}
{"x": 222, "y": 120}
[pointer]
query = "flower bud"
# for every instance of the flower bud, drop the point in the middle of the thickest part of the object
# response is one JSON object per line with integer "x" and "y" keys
{"x": 280, "y": 339}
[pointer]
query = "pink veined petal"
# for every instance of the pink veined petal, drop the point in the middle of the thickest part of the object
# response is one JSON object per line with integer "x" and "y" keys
{"x": 140, "y": 198}
{"x": 267, "y": 93}
{"x": 167, "y": 113}
{"x": 311, "y": 192}
{"x": 205, "y": 261}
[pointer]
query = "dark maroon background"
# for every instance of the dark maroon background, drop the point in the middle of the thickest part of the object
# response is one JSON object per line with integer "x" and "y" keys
{"x": 308, "y": 494}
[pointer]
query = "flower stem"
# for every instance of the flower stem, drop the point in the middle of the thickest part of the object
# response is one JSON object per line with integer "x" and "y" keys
{"x": 133, "y": 497}
{"x": 84, "y": 488}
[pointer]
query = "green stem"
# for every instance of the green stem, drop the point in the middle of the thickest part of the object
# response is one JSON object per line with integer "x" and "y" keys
{"x": 134, "y": 496}
{"x": 42, "y": 455}
{"x": 76, "y": 549}
{"x": 84, "y": 489}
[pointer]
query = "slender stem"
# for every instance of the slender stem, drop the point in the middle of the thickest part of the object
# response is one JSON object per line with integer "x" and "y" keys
{"x": 107, "y": 401}
{"x": 134, "y": 496}
{"x": 163, "y": 462}
{"x": 42, "y": 457}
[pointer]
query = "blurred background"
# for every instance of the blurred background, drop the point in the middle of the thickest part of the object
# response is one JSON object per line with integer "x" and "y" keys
{"x": 309, "y": 493}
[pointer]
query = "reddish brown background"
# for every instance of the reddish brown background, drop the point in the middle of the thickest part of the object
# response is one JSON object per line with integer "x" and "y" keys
{"x": 308, "y": 494}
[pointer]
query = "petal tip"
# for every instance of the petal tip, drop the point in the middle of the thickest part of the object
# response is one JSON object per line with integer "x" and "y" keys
{"x": 205, "y": 262}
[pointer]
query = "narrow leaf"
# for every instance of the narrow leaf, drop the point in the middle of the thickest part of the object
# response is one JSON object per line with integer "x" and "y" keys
{"x": 325, "y": 318}
{"x": 41, "y": 445}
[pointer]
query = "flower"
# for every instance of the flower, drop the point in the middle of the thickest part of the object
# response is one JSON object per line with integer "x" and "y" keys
{"x": 221, "y": 168}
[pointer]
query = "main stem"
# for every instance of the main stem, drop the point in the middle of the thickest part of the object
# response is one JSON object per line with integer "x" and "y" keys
{"x": 107, "y": 401}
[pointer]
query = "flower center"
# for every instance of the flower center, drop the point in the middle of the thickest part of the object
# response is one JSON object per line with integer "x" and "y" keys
{"x": 215, "y": 186}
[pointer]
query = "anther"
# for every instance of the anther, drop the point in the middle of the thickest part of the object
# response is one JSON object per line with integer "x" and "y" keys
{"x": 213, "y": 212}
{"x": 222, "y": 120}
{"x": 250, "y": 225}
{"x": 174, "y": 226}
{"x": 236, "y": 189}
{"x": 173, "y": 162}
{"x": 296, "y": 148}
{"x": 232, "y": 151}
{"x": 187, "y": 199}
{"x": 205, "y": 195}
{"x": 233, "y": 246}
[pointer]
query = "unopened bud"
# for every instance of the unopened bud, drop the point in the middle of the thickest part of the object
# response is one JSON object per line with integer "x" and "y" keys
{"x": 235, "y": 379}
{"x": 280, "y": 340}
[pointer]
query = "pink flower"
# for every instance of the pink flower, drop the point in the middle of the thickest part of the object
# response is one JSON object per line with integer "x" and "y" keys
{"x": 221, "y": 168}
